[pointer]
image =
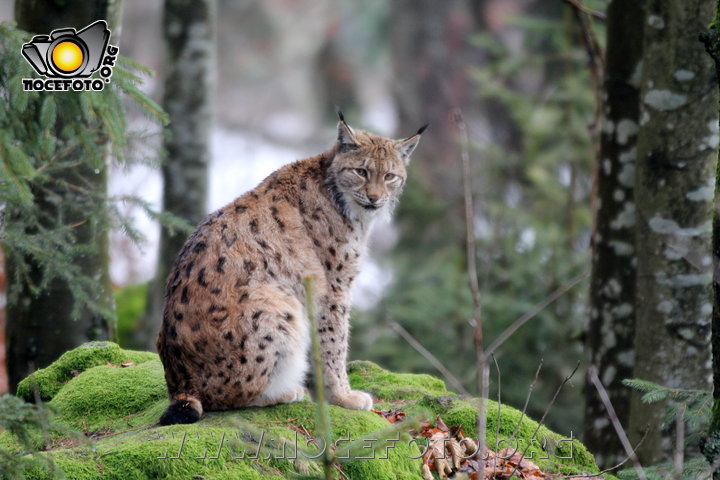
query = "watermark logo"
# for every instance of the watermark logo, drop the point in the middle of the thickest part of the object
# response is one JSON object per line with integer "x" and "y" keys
{"x": 67, "y": 58}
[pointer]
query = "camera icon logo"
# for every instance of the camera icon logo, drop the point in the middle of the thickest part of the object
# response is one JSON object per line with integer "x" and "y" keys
{"x": 67, "y": 54}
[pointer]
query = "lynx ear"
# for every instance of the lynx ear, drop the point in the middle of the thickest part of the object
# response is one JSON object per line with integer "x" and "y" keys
{"x": 406, "y": 147}
{"x": 346, "y": 137}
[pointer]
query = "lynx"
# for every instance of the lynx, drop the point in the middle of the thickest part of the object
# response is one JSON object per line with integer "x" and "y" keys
{"x": 235, "y": 331}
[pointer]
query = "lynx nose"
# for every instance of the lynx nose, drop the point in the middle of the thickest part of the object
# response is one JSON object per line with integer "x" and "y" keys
{"x": 373, "y": 198}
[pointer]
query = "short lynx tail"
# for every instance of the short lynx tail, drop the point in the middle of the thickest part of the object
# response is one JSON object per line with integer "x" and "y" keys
{"x": 183, "y": 409}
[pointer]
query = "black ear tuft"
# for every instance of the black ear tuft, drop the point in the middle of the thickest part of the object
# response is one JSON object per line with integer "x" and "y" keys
{"x": 346, "y": 136}
{"x": 340, "y": 114}
{"x": 422, "y": 129}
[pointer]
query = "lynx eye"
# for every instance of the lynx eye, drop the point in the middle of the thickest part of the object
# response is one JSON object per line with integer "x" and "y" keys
{"x": 390, "y": 177}
{"x": 361, "y": 172}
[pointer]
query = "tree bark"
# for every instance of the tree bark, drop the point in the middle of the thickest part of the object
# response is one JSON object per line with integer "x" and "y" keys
{"x": 189, "y": 29}
{"x": 610, "y": 334}
{"x": 673, "y": 191}
{"x": 39, "y": 329}
{"x": 710, "y": 443}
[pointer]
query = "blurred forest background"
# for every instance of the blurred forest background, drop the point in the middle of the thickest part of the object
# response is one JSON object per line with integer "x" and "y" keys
{"x": 558, "y": 109}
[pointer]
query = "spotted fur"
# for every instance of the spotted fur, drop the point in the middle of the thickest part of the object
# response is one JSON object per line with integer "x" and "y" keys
{"x": 235, "y": 331}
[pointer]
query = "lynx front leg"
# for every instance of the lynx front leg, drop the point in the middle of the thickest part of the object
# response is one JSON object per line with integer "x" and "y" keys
{"x": 334, "y": 336}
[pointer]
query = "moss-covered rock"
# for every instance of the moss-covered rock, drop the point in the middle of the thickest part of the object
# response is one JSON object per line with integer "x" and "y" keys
{"x": 50, "y": 380}
{"x": 112, "y": 398}
{"x": 119, "y": 408}
{"x": 390, "y": 386}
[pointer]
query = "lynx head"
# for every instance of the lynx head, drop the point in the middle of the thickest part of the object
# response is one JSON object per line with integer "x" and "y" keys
{"x": 368, "y": 172}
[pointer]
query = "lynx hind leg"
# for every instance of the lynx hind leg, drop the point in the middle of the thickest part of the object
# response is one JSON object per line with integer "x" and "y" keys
{"x": 283, "y": 333}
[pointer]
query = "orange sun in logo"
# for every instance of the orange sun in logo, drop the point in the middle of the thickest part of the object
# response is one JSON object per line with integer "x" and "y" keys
{"x": 67, "y": 56}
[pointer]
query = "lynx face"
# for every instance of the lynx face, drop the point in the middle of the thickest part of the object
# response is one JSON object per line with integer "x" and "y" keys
{"x": 369, "y": 172}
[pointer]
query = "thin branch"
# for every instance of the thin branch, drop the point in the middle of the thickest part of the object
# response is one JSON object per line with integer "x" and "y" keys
{"x": 679, "y": 457}
{"x": 542, "y": 419}
{"x": 323, "y": 415}
{"x": 470, "y": 241}
{"x": 586, "y": 10}
{"x": 456, "y": 118}
{"x": 592, "y": 375}
{"x": 534, "y": 311}
{"x": 527, "y": 402}
{"x": 429, "y": 357}
{"x": 141, "y": 427}
{"x": 596, "y": 61}
{"x": 614, "y": 467}
{"x": 497, "y": 422}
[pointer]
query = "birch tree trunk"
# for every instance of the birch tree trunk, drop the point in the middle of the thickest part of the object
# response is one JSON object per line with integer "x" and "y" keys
{"x": 611, "y": 326}
{"x": 673, "y": 191}
{"x": 189, "y": 29}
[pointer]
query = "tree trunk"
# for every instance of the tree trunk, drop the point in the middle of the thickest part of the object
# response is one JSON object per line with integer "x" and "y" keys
{"x": 39, "y": 329}
{"x": 710, "y": 444}
{"x": 673, "y": 193}
{"x": 189, "y": 28}
{"x": 611, "y": 326}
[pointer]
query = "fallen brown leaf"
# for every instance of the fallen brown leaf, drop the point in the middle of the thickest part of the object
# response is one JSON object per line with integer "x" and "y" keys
{"x": 392, "y": 416}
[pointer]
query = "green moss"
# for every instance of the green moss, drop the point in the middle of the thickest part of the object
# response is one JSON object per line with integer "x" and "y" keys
{"x": 105, "y": 398}
{"x": 138, "y": 357}
{"x": 364, "y": 428}
{"x": 390, "y": 386}
{"x": 48, "y": 381}
{"x": 120, "y": 407}
{"x": 143, "y": 455}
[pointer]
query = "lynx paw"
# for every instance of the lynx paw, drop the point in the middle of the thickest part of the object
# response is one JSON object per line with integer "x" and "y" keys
{"x": 353, "y": 399}
{"x": 295, "y": 395}
{"x": 298, "y": 394}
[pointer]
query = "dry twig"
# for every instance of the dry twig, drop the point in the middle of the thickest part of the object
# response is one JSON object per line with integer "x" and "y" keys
{"x": 592, "y": 375}
{"x": 586, "y": 10}
{"x": 323, "y": 417}
{"x": 614, "y": 467}
{"x": 522, "y": 320}
{"x": 456, "y": 117}
{"x": 527, "y": 402}
{"x": 547, "y": 409}
{"x": 497, "y": 422}
{"x": 596, "y": 61}
{"x": 429, "y": 357}
{"x": 679, "y": 457}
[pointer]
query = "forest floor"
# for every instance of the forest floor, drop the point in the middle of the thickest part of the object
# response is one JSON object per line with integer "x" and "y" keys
{"x": 114, "y": 397}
